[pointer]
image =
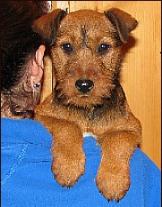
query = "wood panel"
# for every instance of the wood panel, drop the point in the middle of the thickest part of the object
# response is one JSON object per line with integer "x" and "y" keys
{"x": 141, "y": 68}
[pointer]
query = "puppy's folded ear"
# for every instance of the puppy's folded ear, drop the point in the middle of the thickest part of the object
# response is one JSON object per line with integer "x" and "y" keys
{"x": 122, "y": 21}
{"x": 46, "y": 26}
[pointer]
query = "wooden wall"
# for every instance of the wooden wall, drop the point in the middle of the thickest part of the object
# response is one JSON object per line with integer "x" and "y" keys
{"x": 141, "y": 67}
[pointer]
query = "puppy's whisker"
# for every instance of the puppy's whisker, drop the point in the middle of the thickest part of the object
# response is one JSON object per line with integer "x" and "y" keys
{"x": 60, "y": 95}
{"x": 58, "y": 87}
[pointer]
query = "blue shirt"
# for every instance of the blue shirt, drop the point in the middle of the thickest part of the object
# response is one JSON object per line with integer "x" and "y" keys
{"x": 27, "y": 180}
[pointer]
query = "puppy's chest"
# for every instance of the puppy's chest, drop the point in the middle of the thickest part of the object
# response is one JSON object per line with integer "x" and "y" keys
{"x": 91, "y": 121}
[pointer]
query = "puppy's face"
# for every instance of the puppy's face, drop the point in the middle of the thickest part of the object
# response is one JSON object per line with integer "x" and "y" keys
{"x": 86, "y": 58}
{"x": 86, "y": 55}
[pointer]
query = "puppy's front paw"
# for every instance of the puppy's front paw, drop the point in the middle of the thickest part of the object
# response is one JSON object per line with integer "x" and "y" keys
{"x": 68, "y": 169}
{"x": 113, "y": 183}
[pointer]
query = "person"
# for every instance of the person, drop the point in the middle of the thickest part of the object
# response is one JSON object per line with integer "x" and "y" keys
{"x": 22, "y": 53}
{"x": 27, "y": 179}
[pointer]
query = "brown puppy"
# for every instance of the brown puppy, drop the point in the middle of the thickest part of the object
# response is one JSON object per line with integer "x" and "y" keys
{"x": 86, "y": 54}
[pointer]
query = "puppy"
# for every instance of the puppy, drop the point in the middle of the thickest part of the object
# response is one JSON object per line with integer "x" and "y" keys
{"x": 86, "y": 50}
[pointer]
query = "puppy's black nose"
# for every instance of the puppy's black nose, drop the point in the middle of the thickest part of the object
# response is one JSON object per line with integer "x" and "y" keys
{"x": 84, "y": 85}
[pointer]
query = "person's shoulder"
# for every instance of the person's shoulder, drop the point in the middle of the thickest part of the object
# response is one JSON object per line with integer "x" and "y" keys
{"x": 150, "y": 176}
{"x": 27, "y": 129}
{"x": 146, "y": 161}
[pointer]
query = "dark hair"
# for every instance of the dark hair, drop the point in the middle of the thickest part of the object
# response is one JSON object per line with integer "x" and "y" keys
{"x": 17, "y": 40}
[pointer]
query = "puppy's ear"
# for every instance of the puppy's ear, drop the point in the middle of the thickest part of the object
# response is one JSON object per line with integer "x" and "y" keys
{"x": 46, "y": 26}
{"x": 122, "y": 21}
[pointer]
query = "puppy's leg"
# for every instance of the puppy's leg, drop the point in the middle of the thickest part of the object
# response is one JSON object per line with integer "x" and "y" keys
{"x": 68, "y": 156}
{"x": 67, "y": 149}
{"x": 113, "y": 177}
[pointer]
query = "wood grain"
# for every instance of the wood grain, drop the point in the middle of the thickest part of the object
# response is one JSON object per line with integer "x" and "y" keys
{"x": 141, "y": 74}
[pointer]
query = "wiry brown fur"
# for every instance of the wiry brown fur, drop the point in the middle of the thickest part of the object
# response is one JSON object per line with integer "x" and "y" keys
{"x": 103, "y": 111}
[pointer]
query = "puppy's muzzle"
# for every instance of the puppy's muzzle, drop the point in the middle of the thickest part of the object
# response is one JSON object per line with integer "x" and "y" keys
{"x": 84, "y": 85}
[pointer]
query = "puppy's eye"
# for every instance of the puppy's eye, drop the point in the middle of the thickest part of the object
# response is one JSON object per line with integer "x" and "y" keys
{"x": 103, "y": 48}
{"x": 67, "y": 47}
